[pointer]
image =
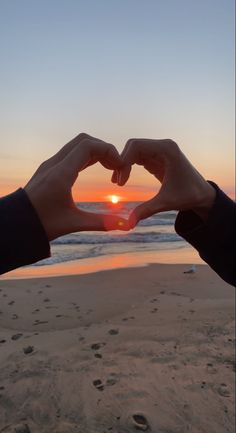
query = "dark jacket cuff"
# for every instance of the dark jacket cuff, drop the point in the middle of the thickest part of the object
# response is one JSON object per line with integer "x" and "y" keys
{"x": 215, "y": 238}
{"x": 23, "y": 238}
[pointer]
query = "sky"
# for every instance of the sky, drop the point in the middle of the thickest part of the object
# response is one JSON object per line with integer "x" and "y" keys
{"x": 116, "y": 69}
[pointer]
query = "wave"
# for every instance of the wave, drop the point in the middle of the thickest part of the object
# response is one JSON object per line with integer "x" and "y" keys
{"x": 148, "y": 237}
{"x": 156, "y": 221}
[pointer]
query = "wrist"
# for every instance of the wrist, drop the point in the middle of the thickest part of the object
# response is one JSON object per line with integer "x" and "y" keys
{"x": 206, "y": 202}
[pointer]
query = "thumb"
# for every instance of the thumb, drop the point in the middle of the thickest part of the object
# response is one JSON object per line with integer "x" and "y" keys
{"x": 145, "y": 210}
{"x": 88, "y": 221}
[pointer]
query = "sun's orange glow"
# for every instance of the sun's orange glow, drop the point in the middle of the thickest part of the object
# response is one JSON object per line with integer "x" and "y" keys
{"x": 115, "y": 199}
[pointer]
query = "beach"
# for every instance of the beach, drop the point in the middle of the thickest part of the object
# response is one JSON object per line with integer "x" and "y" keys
{"x": 138, "y": 348}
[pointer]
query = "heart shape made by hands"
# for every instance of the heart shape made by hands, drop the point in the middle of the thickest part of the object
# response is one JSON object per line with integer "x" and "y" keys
{"x": 49, "y": 190}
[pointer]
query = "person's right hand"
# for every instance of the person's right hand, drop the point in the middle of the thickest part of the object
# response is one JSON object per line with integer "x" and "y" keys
{"x": 182, "y": 186}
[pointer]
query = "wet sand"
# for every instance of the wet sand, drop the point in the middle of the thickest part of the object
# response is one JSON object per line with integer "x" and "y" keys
{"x": 138, "y": 349}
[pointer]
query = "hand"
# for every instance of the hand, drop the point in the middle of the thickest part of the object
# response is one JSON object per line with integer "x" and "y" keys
{"x": 182, "y": 186}
{"x": 49, "y": 190}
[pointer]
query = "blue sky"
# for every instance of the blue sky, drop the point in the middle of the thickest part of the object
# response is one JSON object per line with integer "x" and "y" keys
{"x": 117, "y": 69}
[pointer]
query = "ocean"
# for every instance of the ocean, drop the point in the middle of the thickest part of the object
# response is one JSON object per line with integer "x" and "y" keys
{"x": 154, "y": 233}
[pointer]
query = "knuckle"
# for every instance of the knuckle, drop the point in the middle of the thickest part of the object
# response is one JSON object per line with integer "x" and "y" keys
{"x": 171, "y": 143}
{"x": 171, "y": 147}
{"x": 111, "y": 148}
{"x": 132, "y": 142}
{"x": 109, "y": 151}
{"x": 82, "y": 136}
{"x": 132, "y": 145}
{"x": 129, "y": 141}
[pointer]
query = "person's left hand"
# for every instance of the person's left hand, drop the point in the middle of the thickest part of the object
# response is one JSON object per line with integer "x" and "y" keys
{"x": 49, "y": 190}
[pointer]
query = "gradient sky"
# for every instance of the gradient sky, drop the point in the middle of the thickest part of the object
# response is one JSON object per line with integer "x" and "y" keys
{"x": 116, "y": 69}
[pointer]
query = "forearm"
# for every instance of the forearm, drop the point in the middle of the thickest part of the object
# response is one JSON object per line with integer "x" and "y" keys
{"x": 22, "y": 236}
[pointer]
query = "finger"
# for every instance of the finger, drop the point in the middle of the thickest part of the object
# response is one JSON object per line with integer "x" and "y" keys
{"x": 103, "y": 152}
{"x": 143, "y": 211}
{"x": 140, "y": 151}
{"x": 127, "y": 146}
{"x": 129, "y": 156}
{"x": 89, "y": 152}
{"x": 111, "y": 159}
{"x": 64, "y": 151}
{"x": 122, "y": 175}
{"x": 88, "y": 221}
{"x": 114, "y": 177}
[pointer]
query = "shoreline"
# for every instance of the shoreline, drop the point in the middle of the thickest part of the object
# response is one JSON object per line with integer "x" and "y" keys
{"x": 186, "y": 255}
{"x": 103, "y": 351}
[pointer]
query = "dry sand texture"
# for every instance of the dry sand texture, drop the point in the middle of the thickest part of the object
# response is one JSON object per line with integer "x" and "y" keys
{"x": 144, "y": 349}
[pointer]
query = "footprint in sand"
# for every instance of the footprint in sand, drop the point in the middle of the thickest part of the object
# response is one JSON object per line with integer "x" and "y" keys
{"x": 223, "y": 390}
{"x": 113, "y": 331}
{"x": 23, "y": 428}
{"x": 140, "y": 422}
{"x": 16, "y": 336}
{"x": 28, "y": 349}
{"x": 98, "y": 384}
{"x": 97, "y": 346}
{"x": 40, "y": 322}
{"x": 210, "y": 368}
{"x": 111, "y": 381}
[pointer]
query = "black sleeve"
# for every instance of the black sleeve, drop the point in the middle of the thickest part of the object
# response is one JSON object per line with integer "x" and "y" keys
{"x": 22, "y": 237}
{"x": 215, "y": 240}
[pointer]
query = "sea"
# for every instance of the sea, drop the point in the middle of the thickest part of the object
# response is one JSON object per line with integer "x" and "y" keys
{"x": 154, "y": 233}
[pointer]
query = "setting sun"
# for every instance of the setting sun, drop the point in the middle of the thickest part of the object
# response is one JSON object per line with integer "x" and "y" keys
{"x": 114, "y": 199}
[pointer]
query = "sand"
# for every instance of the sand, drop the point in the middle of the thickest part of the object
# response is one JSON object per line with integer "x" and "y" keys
{"x": 126, "y": 350}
